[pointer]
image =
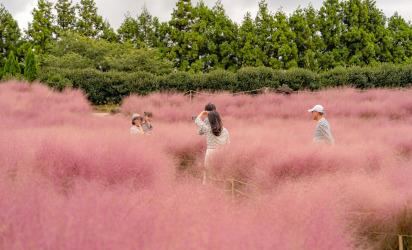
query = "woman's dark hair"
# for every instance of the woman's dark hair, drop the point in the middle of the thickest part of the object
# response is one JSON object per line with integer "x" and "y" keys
{"x": 210, "y": 107}
{"x": 215, "y": 122}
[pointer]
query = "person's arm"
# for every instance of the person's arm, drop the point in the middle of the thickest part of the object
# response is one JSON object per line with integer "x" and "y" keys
{"x": 201, "y": 124}
{"x": 141, "y": 130}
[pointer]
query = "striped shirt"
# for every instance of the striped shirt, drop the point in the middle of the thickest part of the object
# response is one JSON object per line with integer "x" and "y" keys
{"x": 212, "y": 141}
{"x": 323, "y": 132}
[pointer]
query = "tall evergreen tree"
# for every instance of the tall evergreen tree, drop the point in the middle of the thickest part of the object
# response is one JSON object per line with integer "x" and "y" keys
{"x": 90, "y": 23}
{"x": 66, "y": 15}
{"x": 129, "y": 30}
{"x": 12, "y": 67}
{"x": 9, "y": 34}
{"x": 331, "y": 27}
{"x": 401, "y": 34}
{"x": 225, "y": 33}
{"x": 286, "y": 52}
{"x": 182, "y": 50}
{"x": 249, "y": 53}
{"x": 142, "y": 31}
{"x": 357, "y": 40}
{"x": 30, "y": 66}
{"x": 304, "y": 24}
{"x": 147, "y": 28}
{"x": 265, "y": 27}
{"x": 41, "y": 30}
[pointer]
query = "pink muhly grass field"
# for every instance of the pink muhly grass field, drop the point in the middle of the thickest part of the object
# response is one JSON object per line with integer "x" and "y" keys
{"x": 71, "y": 180}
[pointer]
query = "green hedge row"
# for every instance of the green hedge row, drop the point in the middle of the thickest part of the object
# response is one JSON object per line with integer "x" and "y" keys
{"x": 112, "y": 86}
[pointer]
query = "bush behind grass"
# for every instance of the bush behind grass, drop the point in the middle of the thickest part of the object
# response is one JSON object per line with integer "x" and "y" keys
{"x": 112, "y": 86}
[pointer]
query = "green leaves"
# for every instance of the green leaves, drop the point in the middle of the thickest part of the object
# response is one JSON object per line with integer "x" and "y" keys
{"x": 66, "y": 15}
{"x": 11, "y": 67}
{"x": 91, "y": 24}
{"x": 9, "y": 34}
{"x": 31, "y": 67}
{"x": 200, "y": 38}
{"x": 144, "y": 31}
{"x": 41, "y": 30}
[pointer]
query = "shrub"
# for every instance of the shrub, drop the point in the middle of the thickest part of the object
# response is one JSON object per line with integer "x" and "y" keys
{"x": 249, "y": 78}
{"x": 300, "y": 79}
{"x": 217, "y": 80}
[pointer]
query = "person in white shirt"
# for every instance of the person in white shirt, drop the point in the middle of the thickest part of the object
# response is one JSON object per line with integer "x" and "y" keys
{"x": 323, "y": 133}
{"x": 136, "y": 128}
{"x": 216, "y": 135}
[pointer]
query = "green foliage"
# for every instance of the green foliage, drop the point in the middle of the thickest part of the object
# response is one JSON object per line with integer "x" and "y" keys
{"x": 342, "y": 33}
{"x": 11, "y": 67}
{"x": 66, "y": 15}
{"x": 41, "y": 30}
{"x": 91, "y": 24}
{"x": 300, "y": 79}
{"x": 142, "y": 31}
{"x": 9, "y": 34}
{"x": 31, "y": 67}
{"x": 250, "y": 78}
{"x": 74, "y": 51}
{"x": 112, "y": 86}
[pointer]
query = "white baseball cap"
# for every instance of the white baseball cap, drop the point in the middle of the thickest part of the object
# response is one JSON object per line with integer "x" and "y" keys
{"x": 135, "y": 116}
{"x": 317, "y": 108}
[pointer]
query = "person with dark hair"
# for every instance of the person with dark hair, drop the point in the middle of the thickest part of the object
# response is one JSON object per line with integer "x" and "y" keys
{"x": 208, "y": 108}
{"x": 216, "y": 135}
{"x": 147, "y": 122}
{"x": 137, "y": 122}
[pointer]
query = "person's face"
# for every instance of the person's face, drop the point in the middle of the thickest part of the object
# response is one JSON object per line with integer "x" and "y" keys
{"x": 315, "y": 115}
{"x": 148, "y": 119}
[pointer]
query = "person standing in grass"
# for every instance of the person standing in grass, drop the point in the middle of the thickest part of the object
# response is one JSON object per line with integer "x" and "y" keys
{"x": 147, "y": 122}
{"x": 216, "y": 135}
{"x": 323, "y": 133}
{"x": 136, "y": 128}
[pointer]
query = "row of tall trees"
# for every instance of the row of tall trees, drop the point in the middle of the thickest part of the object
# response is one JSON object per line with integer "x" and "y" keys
{"x": 200, "y": 38}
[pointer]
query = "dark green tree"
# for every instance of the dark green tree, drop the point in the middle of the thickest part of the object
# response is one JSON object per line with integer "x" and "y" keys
{"x": 357, "y": 40}
{"x": 31, "y": 67}
{"x": 66, "y": 15}
{"x": 401, "y": 38}
{"x": 331, "y": 28}
{"x": 129, "y": 30}
{"x": 265, "y": 28}
{"x": 286, "y": 52}
{"x": 147, "y": 29}
{"x": 91, "y": 24}
{"x": 182, "y": 46}
{"x": 142, "y": 31}
{"x": 41, "y": 30}
{"x": 12, "y": 67}
{"x": 304, "y": 24}
{"x": 249, "y": 53}
{"x": 9, "y": 34}
{"x": 224, "y": 36}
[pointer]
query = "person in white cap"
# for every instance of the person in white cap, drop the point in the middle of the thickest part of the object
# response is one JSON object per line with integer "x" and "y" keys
{"x": 323, "y": 132}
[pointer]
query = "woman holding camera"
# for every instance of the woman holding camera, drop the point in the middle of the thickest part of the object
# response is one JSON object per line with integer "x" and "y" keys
{"x": 216, "y": 135}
